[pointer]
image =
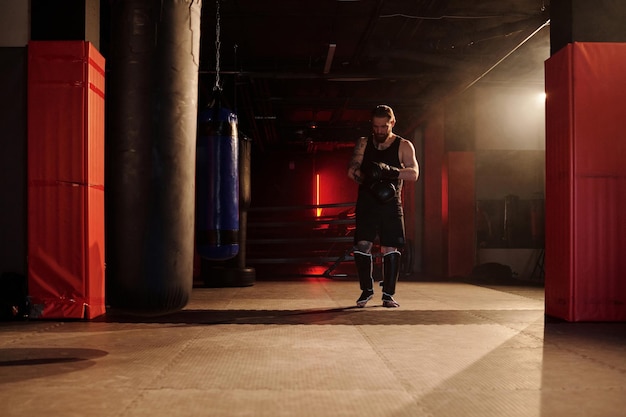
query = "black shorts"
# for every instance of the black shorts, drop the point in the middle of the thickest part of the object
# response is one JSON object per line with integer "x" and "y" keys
{"x": 385, "y": 221}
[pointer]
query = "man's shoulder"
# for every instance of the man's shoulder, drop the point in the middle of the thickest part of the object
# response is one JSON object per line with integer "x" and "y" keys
{"x": 401, "y": 139}
{"x": 404, "y": 142}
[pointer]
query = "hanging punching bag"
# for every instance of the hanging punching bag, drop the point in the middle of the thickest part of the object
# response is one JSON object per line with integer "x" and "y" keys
{"x": 217, "y": 184}
{"x": 152, "y": 109}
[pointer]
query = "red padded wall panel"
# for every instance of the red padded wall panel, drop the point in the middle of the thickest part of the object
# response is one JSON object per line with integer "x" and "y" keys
{"x": 586, "y": 183}
{"x": 559, "y": 190}
{"x": 433, "y": 175}
{"x": 65, "y": 179}
{"x": 66, "y": 251}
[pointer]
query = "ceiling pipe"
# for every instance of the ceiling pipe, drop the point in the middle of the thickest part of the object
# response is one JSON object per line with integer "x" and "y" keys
{"x": 312, "y": 76}
{"x": 545, "y": 24}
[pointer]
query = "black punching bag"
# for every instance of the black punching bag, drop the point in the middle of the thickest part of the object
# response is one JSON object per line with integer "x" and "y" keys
{"x": 152, "y": 108}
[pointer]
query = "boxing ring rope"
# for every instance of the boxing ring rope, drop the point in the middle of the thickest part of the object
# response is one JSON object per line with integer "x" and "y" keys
{"x": 289, "y": 235}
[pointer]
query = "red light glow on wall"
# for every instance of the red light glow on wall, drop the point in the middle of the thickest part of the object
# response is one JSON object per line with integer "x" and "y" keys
{"x": 318, "y": 211}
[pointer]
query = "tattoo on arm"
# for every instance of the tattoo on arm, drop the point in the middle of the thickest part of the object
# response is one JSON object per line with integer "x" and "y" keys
{"x": 354, "y": 167}
{"x": 357, "y": 157}
{"x": 360, "y": 146}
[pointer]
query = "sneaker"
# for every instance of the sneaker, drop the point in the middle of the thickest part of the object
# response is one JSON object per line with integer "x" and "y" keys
{"x": 366, "y": 295}
{"x": 389, "y": 302}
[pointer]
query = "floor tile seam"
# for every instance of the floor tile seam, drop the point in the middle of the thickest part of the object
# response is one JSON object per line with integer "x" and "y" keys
{"x": 330, "y": 295}
{"x": 475, "y": 390}
{"x": 406, "y": 384}
{"x": 501, "y": 296}
{"x": 537, "y": 295}
{"x": 344, "y": 306}
{"x": 507, "y": 310}
{"x": 510, "y": 291}
{"x": 444, "y": 299}
{"x": 538, "y": 389}
{"x": 424, "y": 324}
{"x": 420, "y": 393}
{"x": 135, "y": 402}
{"x": 605, "y": 388}
{"x": 25, "y": 335}
{"x": 589, "y": 358}
{"x": 176, "y": 358}
{"x": 353, "y": 316}
{"x": 529, "y": 334}
{"x": 280, "y": 389}
{"x": 418, "y": 404}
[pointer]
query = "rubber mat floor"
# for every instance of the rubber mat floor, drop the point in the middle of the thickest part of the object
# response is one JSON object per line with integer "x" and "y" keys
{"x": 301, "y": 348}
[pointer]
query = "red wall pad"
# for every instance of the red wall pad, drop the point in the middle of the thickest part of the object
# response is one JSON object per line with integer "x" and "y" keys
{"x": 65, "y": 180}
{"x": 585, "y": 260}
{"x": 458, "y": 210}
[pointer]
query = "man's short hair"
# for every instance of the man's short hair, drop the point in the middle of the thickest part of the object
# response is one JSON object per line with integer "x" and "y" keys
{"x": 383, "y": 111}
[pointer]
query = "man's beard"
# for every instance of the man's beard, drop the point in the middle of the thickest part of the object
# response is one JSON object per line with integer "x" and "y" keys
{"x": 380, "y": 138}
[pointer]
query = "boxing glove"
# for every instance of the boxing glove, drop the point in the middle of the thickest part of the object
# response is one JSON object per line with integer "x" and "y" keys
{"x": 383, "y": 191}
{"x": 376, "y": 171}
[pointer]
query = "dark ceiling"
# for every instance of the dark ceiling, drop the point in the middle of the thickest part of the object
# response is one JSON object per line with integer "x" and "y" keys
{"x": 298, "y": 72}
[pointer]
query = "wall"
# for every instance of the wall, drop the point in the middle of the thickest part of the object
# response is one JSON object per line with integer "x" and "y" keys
{"x": 14, "y": 25}
{"x": 287, "y": 178}
{"x": 335, "y": 186}
{"x": 510, "y": 174}
{"x": 501, "y": 120}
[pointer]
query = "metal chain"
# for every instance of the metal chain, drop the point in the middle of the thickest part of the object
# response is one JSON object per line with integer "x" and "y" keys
{"x": 217, "y": 46}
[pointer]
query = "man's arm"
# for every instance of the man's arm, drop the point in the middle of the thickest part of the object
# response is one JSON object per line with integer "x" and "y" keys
{"x": 354, "y": 167}
{"x": 410, "y": 168}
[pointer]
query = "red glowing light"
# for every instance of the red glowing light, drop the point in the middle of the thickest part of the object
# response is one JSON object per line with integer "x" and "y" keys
{"x": 318, "y": 212}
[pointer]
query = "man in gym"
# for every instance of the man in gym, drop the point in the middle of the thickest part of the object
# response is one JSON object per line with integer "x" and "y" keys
{"x": 379, "y": 165}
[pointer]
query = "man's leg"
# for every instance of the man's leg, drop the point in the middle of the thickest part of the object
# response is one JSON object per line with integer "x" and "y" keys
{"x": 391, "y": 271}
{"x": 364, "y": 265}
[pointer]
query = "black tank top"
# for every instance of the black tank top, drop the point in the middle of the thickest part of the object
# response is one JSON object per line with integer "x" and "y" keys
{"x": 388, "y": 156}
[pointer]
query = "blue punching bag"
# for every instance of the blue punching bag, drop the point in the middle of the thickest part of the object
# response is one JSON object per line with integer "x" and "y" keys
{"x": 217, "y": 184}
